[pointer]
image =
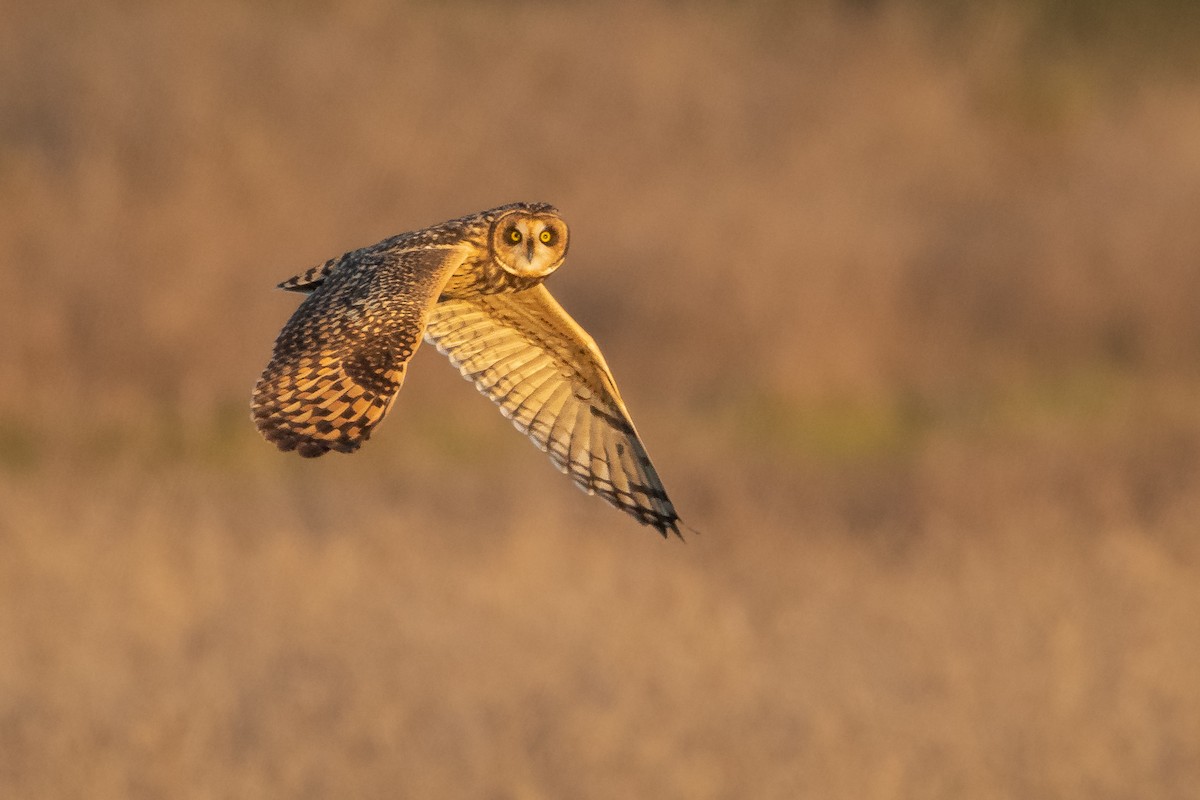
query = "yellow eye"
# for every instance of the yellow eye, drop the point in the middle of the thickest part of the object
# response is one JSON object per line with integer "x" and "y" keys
{"x": 514, "y": 236}
{"x": 546, "y": 237}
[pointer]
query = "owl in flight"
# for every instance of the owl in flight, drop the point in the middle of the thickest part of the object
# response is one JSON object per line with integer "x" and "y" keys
{"x": 473, "y": 288}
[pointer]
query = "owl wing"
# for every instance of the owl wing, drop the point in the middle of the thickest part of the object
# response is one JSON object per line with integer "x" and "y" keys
{"x": 548, "y": 377}
{"x": 341, "y": 358}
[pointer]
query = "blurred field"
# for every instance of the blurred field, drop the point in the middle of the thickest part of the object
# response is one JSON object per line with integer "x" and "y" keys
{"x": 903, "y": 301}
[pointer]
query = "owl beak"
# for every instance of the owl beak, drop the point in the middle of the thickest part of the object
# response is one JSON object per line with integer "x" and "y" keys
{"x": 529, "y": 250}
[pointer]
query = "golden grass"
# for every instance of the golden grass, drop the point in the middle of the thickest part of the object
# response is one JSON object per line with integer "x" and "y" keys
{"x": 905, "y": 311}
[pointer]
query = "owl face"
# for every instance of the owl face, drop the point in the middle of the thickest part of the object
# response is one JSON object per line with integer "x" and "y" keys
{"x": 529, "y": 245}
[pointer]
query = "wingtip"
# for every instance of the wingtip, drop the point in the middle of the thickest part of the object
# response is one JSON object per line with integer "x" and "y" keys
{"x": 289, "y": 440}
{"x": 668, "y": 525}
{"x": 674, "y": 527}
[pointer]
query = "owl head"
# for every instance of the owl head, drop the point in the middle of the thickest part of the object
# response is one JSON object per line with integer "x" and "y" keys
{"x": 529, "y": 242}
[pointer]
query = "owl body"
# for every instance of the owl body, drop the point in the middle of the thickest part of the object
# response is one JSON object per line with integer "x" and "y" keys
{"x": 473, "y": 287}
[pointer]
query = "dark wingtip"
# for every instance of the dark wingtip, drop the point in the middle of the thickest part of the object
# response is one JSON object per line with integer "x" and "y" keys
{"x": 288, "y": 440}
{"x": 306, "y": 447}
{"x": 311, "y": 449}
{"x": 665, "y": 525}
{"x": 672, "y": 524}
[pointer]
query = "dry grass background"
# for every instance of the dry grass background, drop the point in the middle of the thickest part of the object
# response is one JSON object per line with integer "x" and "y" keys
{"x": 903, "y": 302}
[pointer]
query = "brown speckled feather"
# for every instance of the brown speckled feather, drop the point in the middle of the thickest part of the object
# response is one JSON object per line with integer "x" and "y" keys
{"x": 341, "y": 358}
{"x": 525, "y": 353}
{"x": 309, "y": 280}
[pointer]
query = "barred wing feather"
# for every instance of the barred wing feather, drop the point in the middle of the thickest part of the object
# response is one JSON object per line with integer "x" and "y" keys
{"x": 525, "y": 353}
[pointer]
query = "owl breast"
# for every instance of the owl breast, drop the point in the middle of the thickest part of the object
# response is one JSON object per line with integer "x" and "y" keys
{"x": 480, "y": 274}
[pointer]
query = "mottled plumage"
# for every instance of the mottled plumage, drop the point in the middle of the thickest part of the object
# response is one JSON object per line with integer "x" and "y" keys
{"x": 473, "y": 287}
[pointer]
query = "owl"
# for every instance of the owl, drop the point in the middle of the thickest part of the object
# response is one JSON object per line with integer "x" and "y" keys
{"x": 473, "y": 287}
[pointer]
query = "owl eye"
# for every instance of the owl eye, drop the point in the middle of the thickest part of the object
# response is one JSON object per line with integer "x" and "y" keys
{"x": 514, "y": 235}
{"x": 547, "y": 236}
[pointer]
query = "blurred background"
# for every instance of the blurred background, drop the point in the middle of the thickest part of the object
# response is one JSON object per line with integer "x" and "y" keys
{"x": 902, "y": 298}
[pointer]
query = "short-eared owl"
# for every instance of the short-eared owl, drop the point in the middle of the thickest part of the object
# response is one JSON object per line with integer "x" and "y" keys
{"x": 473, "y": 287}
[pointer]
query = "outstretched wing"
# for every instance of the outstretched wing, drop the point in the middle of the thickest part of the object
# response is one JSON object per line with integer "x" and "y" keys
{"x": 546, "y": 374}
{"x": 341, "y": 358}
